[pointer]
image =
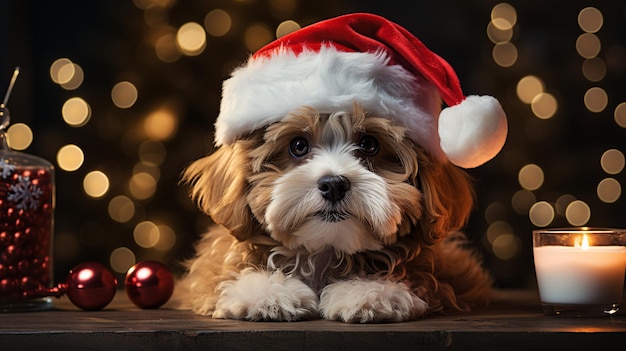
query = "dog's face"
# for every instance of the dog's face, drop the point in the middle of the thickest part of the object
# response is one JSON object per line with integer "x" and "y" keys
{"x": 345, "y": 181}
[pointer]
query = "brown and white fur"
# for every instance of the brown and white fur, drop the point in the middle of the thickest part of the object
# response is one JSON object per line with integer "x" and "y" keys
{"x": 334, "y": 216}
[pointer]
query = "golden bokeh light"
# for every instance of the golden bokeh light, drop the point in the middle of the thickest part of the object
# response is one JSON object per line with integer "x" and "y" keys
{"x": 620, "y": 115}
{"x": 506, "y": 246}
{"x": 191, "y": 39}
{"x": 530, "y": 177}
{"x": 612, "y": 161}
{"x": 96, "y": 184}
{"x": 142, "y": 185}
{"x": 75, "y": 80}
{"x": 522, "y": 201}
{"x": 541, "y": 214}
{"x": 528, "y": 88}
{"x": 124, "y": 94}
{"x": 256, "y": 36}
{"x": 217, "y": 23}
{"x": 62, "y": 70}
{"x": 497, "y": 35}
{"x": 544, "y": 105}
{"x": 594, "y": 69}
{"x": 588, "y": 45}
{"x": 590, "y": 19}
{"x": 161, "y": 124}
{"x": 19, "y": 136}
{"x": 609, "y": 190}
{"x": 505, "y": 54}
{"x": 144, "y": 167}
{"x": 166, "y": 49}
{"x": 146, "y": 234}
{"x": 76, "y": 112}
{"x": 70, "y": 157}
{"x": 496, "y": 229}
{"x": 596, "y": 99}
{"x": 503, "y": 16}
{"x": 577, "y": 213}
{"x": 167, "y": 238}
{"x": 286, "y": 27}
{"x": 494, "y": 212}
{"x": 121, "y": 209}
{"x": 122, "y": 259}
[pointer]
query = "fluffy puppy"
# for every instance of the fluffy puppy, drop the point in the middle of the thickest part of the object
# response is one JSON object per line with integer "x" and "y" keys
{"x": 336, "y": 216}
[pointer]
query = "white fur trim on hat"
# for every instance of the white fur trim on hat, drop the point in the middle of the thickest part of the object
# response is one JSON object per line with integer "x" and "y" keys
{"x": 473, "y": 131}
{"x": 267, "y": 88}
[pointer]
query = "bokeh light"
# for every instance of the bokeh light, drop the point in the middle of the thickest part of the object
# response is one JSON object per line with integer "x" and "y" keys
{"x": 121, "y": 209}
{"x": 578, "y": 213}
{"x": 124, "y": 94}
{"x": 505, "y": 54}
{"x": 191, "y": 39}
{"x": 76, "y": 79}
{"x": 612, "y": 161}
{"x": 142, "y": 185}
{"x": 146, "y": 234}
{"x": 96, "y": 184}
{"x": 19, "y": 136}
{"x": 596, "y": 99}
{"x": 609, "y": 190}
{"x": 62, "y": 70}
{"x": 588, "y": 45}
{"x": 286, "y": 27}
{"x": 590, "y": 19}
{"x": 530, "y": 177}
{"x": 161, "y": 124}
{"x": 76, "y": 112}
{"x": 503, "y": 16}
{"x": 541, "y": 214}
{"x": 217, "y": 23}
{"x": 594, "y": 69}
{"x": 122, "y": 259}
{"x": 70, "y": 157}
{"x": 166, "y": 49}
{"x": 256, "y": 36}
{"x": 544, "y": 105}
{"x": 528, "y": 88}
{"x": 620, "y": 115}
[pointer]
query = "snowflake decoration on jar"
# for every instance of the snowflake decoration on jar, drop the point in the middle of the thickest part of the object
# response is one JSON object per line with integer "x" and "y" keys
{"x": 25, "y": 194}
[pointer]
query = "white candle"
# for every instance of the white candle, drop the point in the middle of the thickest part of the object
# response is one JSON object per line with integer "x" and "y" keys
{"x": 580, "y": 275}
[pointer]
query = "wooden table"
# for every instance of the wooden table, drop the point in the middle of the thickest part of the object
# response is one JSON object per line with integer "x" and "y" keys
{"x": 513, "y": 322}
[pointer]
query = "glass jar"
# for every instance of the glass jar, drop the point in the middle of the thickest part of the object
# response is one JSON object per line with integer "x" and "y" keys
{"x": 27, "y": 202}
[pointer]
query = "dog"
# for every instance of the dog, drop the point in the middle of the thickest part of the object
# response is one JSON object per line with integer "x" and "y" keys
{"x": 337, "y": 216}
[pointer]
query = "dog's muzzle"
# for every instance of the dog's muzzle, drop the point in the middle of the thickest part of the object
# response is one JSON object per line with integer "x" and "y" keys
{"x": 333, "y": 188}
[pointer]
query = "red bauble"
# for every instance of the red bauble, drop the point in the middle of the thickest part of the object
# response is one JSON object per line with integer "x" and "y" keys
{"x": 90, "y": 286}
{"x": 149, "y": 284}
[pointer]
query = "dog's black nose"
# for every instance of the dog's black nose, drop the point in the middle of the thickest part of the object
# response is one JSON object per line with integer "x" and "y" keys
{"x": 333, "y": 188}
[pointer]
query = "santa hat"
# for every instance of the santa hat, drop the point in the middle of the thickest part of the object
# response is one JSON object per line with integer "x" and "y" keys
{"x": 367, "y": 59}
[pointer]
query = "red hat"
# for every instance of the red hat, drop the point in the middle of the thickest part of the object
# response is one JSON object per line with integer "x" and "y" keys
{"x": 367, "y": 59}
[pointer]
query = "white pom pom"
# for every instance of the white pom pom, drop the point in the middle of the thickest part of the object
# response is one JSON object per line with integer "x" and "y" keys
{"x": 472, "y": 132}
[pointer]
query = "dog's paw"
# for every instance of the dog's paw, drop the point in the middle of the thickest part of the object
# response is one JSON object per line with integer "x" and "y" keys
{"x": 363, "y": 301}
{"x": 265, "y": 296}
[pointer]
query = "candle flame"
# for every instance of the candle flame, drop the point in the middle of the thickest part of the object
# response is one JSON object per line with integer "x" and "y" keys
{"x": 585, "y": 243}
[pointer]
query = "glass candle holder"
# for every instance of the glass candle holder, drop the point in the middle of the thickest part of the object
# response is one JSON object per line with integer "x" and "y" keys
{"x": 26, "y": 226}
{"x": 580, "y": 271}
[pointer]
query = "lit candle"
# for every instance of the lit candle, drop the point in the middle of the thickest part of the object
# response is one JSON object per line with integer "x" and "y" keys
{"x": 580, "y": 267}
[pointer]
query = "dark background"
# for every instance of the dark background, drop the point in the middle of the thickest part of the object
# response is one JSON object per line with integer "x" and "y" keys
{"x": 111, "y": 41}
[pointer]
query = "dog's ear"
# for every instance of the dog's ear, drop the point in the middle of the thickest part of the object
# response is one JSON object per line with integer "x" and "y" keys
{"x": 448, "y": 198}
{"x": 218, "y": 185}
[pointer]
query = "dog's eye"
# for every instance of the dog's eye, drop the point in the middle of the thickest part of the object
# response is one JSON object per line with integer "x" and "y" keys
{"x": 299, "y": 147}
{"x": 368, "y": 145}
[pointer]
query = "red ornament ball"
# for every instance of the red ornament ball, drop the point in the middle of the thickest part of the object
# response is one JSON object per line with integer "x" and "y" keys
{"x": 90, "y": 286}
{"x": 149, "y": 284}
